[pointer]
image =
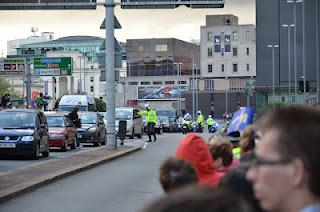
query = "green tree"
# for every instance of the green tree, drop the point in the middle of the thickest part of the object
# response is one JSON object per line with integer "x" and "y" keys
{"x": 101, "y": 105}
{"x": 4, "y": 87}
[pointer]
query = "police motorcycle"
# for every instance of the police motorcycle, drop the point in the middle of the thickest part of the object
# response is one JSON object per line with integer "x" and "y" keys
{"x": 213, "y": 128}
{"x": 187, "y": 124}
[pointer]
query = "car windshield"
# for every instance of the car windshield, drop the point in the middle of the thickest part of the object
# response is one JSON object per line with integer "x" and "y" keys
{"x": 123, "y": 114}
{"x": 87, "y": 118}
{"x": 69, "y": 108}
{"x": 164, "y": 119}
{"x": 17, "y": 120}
{"x": 55, "y": 121}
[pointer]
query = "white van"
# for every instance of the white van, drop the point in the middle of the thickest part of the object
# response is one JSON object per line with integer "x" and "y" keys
{"x": 83, "y": 102}
{"x": 134, "y": 121}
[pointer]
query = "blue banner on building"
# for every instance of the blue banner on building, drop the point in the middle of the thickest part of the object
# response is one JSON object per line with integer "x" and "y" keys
{"x": 241, "y": 119}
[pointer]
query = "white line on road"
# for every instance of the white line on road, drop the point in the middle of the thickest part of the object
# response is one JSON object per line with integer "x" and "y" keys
{"x": 145, "y": 145}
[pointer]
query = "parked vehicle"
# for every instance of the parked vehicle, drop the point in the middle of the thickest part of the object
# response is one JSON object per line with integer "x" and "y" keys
{"x": 62, "y": 133}
{"x": 83, "y": 102}
{"x": 158, "y": 127}
{"x": 133, "y": 119}
{"x": 93, "y": 128}
{"x": 23, "y": 132}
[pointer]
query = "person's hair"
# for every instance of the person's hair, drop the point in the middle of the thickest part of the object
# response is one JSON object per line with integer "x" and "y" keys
{"x": 196, "y": 199}
{"x": 298, "y": 137}
{"x": 235, "y": 180}
{"x": 247, "y": 142}
{"x": 175, "y": 173}
{"x": 219, "y": 146}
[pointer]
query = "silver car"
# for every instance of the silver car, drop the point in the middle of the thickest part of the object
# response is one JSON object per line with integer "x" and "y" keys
{"x": 133, "y": 119}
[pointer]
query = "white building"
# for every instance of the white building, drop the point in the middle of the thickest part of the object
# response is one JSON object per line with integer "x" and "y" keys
{"x": 12, "y": 45}
{"x": 227, "y": 53}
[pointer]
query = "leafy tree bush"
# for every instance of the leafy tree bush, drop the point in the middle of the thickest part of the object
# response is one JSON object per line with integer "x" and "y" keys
{"x": 101, "y": 105}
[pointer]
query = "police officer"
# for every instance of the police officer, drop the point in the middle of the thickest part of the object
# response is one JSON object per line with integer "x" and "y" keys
{"x": 151, "y": 119}
{"x": 210, "y": 123}
{"x": 200, "y": 121}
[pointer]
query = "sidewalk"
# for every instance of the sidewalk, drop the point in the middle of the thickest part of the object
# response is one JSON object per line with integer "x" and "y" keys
{"x": 17, "y": 181}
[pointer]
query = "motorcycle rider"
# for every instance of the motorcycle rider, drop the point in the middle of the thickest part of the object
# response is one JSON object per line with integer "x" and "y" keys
{"x": 200, "y": 121}
{"x": 210, "y": 123}
{"x": 187, "y": 121}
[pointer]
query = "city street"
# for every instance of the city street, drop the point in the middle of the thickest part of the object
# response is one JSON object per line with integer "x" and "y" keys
{"x": 8, "y": 163}
{"x": 124, "y": 184}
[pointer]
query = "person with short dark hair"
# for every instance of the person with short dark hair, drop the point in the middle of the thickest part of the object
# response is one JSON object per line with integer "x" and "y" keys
{"x": 286, "y": 172}
{"x": 40, "y": 102}
{"x": 73, "y": 116}
{"x": 176, "y": 173}
{"x": 199, "y": 199}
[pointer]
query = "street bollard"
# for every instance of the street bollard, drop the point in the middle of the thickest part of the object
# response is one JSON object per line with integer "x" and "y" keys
{"x": 122, "y": 130}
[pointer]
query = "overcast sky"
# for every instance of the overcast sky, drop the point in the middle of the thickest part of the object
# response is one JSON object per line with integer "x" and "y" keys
{"x": 183, "y": 23}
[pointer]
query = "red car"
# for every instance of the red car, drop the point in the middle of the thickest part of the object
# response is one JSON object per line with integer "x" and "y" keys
{"x": 62, "y": 133}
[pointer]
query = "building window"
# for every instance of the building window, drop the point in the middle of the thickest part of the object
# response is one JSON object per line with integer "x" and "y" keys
{"x": 235, "y": 35}
{"x": 157, "y": 83}
{"x": 248, "y": 51}
{"x": 91, "y": 88}
{"x": 248, "y": 35}
{"x": 91, "y": 79}
{"x": 210, "y": 36}
{"x": 209, "y": 52}
{"x": 248, "y": 67}
{"x": 235, "y": 52}
{"x": 222, "y": 51}
{"x": 222, "y": 67}
{"x": 145, "y": 83}
{"x": 208, "y": 84}
{"x": 133, "y": 83}
{"x": 182, "y": 82}
{"x": 210, "y": 68}
{"x": 140, "y": 49}
{"x": 169, "y": 82}
{"x": 235, "y": 68}
{"x": 161, "y": 48}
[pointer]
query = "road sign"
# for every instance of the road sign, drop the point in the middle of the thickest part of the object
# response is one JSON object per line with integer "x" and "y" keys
{"x": 14, "y": 66}
{"x": 53, "y": 66}
{"x": 47, "y": 4}
{"x": 167, "y": 4}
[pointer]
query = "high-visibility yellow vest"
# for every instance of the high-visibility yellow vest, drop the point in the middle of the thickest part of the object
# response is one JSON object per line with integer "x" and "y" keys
{"x": 236, "y": 153}
{"x": 151, "y": 116}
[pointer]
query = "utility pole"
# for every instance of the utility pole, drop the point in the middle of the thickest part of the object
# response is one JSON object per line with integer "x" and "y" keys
{"x": 110, "y": 74}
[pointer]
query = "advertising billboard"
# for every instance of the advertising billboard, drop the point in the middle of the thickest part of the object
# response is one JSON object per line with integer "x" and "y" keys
{"x": 166, "y": 92}
{"x": 53, "y": 66}
{"x": 13, "y": 66}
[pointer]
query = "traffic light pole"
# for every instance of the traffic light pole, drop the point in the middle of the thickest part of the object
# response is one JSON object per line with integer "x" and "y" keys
{"x": 110, "y": 75}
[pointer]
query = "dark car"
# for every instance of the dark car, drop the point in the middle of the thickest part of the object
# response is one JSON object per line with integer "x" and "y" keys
{"x": 62, "y": 133}
{"x": 93, "y": 128}
{"x": 23, "y": 132}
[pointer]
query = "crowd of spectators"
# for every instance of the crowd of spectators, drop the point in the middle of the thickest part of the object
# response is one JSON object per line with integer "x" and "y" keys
{"x": 277, "y": 168}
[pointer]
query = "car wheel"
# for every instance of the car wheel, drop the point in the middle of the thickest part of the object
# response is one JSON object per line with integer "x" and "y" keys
{"x": 74, "y": 144}
{"x": 35, "y": 153}
{"x": 46, "y": 153}
{"x": 139, "y": 135}
{"x": 65, "y": 147}
{"x": 104, "y": 140}
{"x": 132, "y": 134}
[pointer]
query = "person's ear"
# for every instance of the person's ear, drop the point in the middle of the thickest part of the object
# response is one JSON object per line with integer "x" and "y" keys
{"x": 297, "y": 172}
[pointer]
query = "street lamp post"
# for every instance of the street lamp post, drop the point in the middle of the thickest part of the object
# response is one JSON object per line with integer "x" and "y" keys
{"x": 289, "y": 60}
{"x": 294, "y": 2}
{"x": 273, "y": 74}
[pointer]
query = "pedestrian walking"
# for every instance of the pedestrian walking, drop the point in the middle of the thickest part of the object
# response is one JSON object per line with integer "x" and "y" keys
{"x": 40, "y": 102}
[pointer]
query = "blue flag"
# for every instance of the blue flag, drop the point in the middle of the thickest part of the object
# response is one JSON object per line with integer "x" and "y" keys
{"x": 241, "y": 119}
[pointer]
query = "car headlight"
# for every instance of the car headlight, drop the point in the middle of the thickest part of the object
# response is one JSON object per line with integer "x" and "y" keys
{"x": 92, "y": 130}
{"x": 55, "y": 135}
{"x": 27, "y": 138}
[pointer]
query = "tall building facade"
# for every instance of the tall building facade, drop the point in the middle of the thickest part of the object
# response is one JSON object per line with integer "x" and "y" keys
{"x": 158, "y": 69}
{"x": 228, "y": 63}
{"x": 287, "y": 48}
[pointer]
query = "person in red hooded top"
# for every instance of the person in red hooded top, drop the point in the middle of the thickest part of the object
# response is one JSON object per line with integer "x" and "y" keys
{"x": 194, "y": 150}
